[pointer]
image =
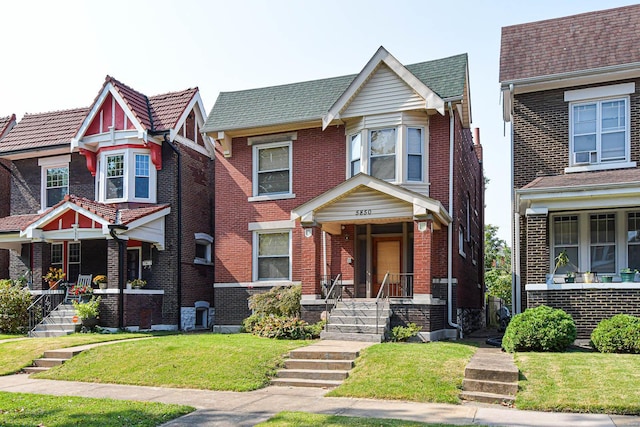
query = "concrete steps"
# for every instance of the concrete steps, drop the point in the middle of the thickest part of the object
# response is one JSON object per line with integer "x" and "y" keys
{"x": 490, "y": 377}
{"x": 51, "y": 358}
{"x": 325, "y": 364}
{"x": 355, "y": 320}
{"x": 58, "y": 323}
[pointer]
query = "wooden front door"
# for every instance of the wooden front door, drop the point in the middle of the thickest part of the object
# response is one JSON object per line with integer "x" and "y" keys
{"x": 386, "y": 257}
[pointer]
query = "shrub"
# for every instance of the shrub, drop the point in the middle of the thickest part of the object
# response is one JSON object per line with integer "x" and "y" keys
{"x": 280, "y": 327}
{"x": 14, "y": 302}
{"x": 86, "y": 310}
{"x": 619, "y": 334}
{"x": 279, "y": 301}
{"x": 540, "y": 329}
{"x": 315, "y": 329}
{"x": 403, "y": 333}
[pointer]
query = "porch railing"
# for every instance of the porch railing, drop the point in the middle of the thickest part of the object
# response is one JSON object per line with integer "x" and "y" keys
{"x": 42, "y": 306}
{"x": 399, "y": 285}
{"x": 333, "y": 295}
{"x": 381, "y": 300}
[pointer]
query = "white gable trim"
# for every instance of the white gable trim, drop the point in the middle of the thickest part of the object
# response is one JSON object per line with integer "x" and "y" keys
{"x": 148, "y": 218}
{"x": 32, "y": 230}
{"x": 201, "y": 119}
{"x": 108, "y": 89}
{"x": 432, "y": 100}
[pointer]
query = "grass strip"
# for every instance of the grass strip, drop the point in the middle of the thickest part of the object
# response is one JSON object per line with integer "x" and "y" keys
{"x": 23, "y": 409}
{"x": 235, "y": 362}
{"x": 303, "y": 419}
{"x": 431, "y": 372}
{"x": 579, "y": 382}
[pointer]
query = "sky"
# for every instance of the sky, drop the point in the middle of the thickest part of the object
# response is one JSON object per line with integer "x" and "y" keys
{"x": 56, "y": 54}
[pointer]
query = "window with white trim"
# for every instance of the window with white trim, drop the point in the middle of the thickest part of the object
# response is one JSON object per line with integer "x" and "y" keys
{"x": 566, "y": 238}
{"x": 415, "y": 148}
{"x": 461, "y": 241}
{"x": 272, "y": 255}
{"x": 203, "y": 243}
{"x": 633, "y": 240}
{"x": 54, "y": 179}
{"x": 355, "y": 153}
{"x": 126, "y": 176}
{"x": 272, "y": 169}
{"x": 382, "y": 154}
{"x": 602, "y": 253}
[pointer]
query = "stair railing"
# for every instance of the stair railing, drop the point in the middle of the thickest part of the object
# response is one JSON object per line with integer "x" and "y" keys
{"x": 400, "y": 285}
{"x": 42, "y": 306}
{"x": 381, "y": 298}
{"x": 334, "y": 295}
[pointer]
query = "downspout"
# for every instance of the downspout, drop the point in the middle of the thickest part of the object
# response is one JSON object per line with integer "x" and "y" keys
{"x": 516, "y": 305}
{"x": 450, "y": 227}
{"x": 121, "y": 255}
{"x": 179, "y": 228}
{"x": 324, "y": 254}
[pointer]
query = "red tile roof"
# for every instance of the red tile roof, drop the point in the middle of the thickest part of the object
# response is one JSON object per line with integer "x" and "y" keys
{"x": 573, "y": 43}
{"x": 136, "y": 101}
{"x": 6, "y": 123}
{"x": 581, "y": 179}
{"x": 16, "y": 223}
{"x": 44, "y": 130}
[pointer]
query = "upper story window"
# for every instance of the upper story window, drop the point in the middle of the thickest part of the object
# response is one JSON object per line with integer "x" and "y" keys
{"x": 54, "y": 179}
{"x": 272, "y": 170}
{"x": 126, "y": 176}
{"x": 395, "y": 154}
{"x": 203, "y": 243}
{"x": 599, "y": 127}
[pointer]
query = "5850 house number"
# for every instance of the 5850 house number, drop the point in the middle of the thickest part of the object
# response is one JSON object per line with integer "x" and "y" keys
{"x": 363, "y": 212}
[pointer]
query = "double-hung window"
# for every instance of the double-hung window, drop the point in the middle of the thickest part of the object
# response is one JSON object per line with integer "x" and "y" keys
{"x": 415, "y": 147}
{"x": 382, "y": 153}
{"x": 142, "y": 176}
{"x": 355, "y": 151}
{"x": 55, "y": 179}
{"x": 73, "y": 265}
{"x": 272, "y": 169}
{"x": 57, "y": 255}
{"x": 602, "y": 251}
{"x": 566, "y": 238}
{"x": 633, "y": 240}
{"x": 115, "y": 176}
{"x": 272, "y": 258}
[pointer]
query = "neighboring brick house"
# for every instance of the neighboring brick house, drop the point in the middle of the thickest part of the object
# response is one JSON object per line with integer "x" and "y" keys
{"x": 351, "y": 176}
{"x": 123, "y": 188}
{"x": 571, "y": 90}
{"x": 6, "y": 124}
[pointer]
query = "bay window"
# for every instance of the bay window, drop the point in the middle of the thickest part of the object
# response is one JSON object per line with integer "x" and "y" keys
{"x": 126, "y": 176}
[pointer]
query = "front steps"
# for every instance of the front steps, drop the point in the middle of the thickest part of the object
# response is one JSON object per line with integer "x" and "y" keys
{"x": 58, "y": 323}
{"x": 51, "y": 358}
{"x": 355, "y": 320}
{"x": 490, "y": 377}
{"x": 325, "y": 364}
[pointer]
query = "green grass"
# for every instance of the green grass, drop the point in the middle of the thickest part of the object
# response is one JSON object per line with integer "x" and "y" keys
{"x": 303, "y": 419}
{"x": 237, "y": 362}
{"x": 579, "y": 382}
{"x": 430, "y": 372}
{"x": 21, "y": 409}
{"x": 10, "y": 336}
{"x": 15, "y": 355}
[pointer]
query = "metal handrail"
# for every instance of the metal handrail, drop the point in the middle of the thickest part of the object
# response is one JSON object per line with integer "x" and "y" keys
{"x": 336, "y": 287}
{"x": 42, "y": 307}
{"x": 379, "y": 297}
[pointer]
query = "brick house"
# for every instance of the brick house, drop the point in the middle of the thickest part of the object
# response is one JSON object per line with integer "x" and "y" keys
{"x": 571, "y": 91}
{"x": 122, "y": 188}
{"x": 343, "y": 180}
{"x": 6, "y": 124}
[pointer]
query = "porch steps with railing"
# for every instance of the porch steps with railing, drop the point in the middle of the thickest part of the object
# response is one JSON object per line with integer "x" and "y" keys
{"x": 357, "y": 320}
{"x": 324, "y": 364}
{"x": 490, "y": 377}
{"x": 59, "y": 322}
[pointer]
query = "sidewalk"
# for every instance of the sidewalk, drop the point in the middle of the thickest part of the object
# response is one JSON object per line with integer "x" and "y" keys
{"x": 216, "y": 408}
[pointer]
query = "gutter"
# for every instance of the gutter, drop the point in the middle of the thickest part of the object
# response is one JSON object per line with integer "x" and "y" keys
{"x": 451, "y": 225}
{"x": 121, "y": 278}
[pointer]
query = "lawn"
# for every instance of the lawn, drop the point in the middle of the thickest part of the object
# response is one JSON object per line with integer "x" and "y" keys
{"x": 21, "y": 409}
{"x": 303, "y": 419}
{"x": 236, "y": 362}
{"x": 430, "y": 372}
{"x": 579, "y": 382}
{"x": 15, "y": 355}
{"x": 8, "y": 336}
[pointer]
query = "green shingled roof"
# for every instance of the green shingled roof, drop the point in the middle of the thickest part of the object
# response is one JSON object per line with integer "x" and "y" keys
{"x": 307, "y": 101}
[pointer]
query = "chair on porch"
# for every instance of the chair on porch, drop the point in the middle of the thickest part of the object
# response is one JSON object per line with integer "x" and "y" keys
{"x": 83, "y": 280}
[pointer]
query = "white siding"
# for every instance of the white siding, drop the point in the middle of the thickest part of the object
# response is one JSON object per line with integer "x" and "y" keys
{"x": 365, "y": 205}
{"x": 384, "y": 92}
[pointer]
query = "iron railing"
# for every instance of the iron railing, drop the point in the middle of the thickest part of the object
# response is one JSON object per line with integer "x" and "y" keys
{"x": 333, "y": 295}
{"x": 381, "y": 300}
{"x": 43, "y": 306}
{"x": 400, "y": 285}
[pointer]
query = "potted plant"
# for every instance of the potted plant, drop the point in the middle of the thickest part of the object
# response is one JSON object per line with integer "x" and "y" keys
{"x": 80, "y": 292}
{"x": 88, "y": 312}
{"x": 606, "y": 278}
{"x": 138, "y": 283}
{"x": 570, "y": 277}
{"x": 588, "y": 277}
{"x": 562, "y": 260}
{"x": 101, "y": 281}
{"x": 628, "y": 274}
{"x": 53, "y": 277}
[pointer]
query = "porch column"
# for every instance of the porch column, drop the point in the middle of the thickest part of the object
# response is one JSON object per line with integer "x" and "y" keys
{"x": 537, "y": 261}
{"x": 422, "y": 244}
{"x": 109, "y": 307}
{"x": 41, "y": 257}
{"x": 311, "y": 260}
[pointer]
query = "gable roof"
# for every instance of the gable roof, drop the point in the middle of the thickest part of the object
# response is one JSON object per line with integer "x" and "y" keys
{"x": 311, "y": 100}
{"x": 587, "y": 41}
{"x": 15, "y": 223}
{"x": 41, "y": 130}
{"x": 6, "y": 124}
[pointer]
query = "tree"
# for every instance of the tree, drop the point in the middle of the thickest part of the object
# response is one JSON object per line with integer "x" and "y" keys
{"x": 497, "y": 265}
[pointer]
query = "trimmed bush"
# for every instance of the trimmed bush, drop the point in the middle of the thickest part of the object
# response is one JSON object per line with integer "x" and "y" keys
{"x": 540, "y": 329}
{"x": 619, "y": 334}
{"x": 14, "y": 302}
{"x": 403, "y": 333}
{"x": 279, "y": 301}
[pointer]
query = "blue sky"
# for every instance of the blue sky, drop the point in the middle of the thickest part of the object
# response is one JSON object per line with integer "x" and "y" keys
{"x": 56, "y": 54}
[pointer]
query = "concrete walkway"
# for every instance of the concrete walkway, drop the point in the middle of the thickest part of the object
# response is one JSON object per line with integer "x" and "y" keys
{"x": 219, "y": 408}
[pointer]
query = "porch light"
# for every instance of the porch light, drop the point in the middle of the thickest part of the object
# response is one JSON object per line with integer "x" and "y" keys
{"x": 308, "y": 232}
{"x": 422, "y": 226}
